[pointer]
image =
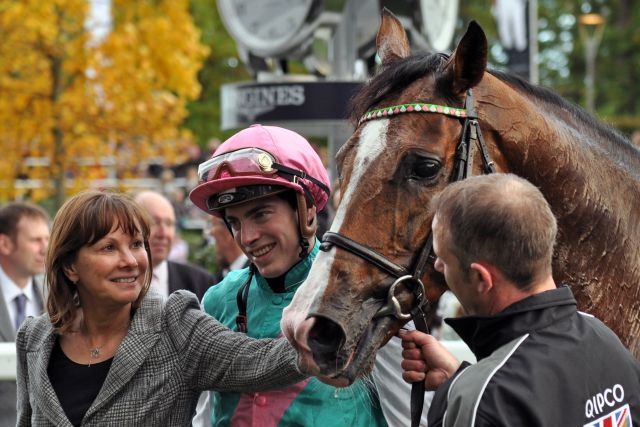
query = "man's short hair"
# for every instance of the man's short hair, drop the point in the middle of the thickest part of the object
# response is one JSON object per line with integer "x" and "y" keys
{"x": 499, "y": 218}
{"x": 13, "y": 212}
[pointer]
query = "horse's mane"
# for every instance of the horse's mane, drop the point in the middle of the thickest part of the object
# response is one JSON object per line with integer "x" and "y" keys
{"x": 393, "y": 78}
{"x": 584, "y": 120}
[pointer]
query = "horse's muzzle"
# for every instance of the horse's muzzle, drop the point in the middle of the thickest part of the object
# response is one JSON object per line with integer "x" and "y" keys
{"x": 326, "y": 339}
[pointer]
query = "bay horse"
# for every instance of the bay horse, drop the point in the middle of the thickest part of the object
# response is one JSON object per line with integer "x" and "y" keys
{"x": 409, "y": 126}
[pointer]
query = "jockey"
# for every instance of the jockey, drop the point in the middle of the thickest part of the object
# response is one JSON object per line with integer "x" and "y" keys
{"x": 268, "y": 185}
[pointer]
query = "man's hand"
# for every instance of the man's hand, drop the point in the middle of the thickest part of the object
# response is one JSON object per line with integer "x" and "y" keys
{"x": 425, "y": 359}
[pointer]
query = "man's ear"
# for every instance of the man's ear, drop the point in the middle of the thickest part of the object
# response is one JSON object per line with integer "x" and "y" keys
{"x": 481, "y": 277}
{"x": 6, "y": 245}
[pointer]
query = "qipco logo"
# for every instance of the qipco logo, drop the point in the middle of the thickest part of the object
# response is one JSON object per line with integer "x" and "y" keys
{"x": 601, "y": 401}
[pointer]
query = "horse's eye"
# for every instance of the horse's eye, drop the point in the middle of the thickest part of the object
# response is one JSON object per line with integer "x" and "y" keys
{"x": 425, "y": 168}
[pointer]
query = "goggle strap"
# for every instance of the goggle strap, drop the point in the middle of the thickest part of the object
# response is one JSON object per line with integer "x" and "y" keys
{"x": 301, "y": 174}
{"x": 307, "y": 193}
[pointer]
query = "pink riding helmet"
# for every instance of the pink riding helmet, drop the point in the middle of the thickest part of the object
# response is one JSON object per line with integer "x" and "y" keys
{"x": 289, "y": 149}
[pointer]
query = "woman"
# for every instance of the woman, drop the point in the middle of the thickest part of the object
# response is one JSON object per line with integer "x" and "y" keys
{"x": 108, "y": 353}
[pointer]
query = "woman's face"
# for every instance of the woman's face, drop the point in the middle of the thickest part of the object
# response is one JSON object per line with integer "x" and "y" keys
{"x": 110, "y": 272}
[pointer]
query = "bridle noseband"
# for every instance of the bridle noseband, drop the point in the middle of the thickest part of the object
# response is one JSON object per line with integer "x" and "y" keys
{"x": 401, "y": 274}
{"x": 470, "y": 139}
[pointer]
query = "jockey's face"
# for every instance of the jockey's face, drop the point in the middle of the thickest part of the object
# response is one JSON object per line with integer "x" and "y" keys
{"x": 267, "y": 231}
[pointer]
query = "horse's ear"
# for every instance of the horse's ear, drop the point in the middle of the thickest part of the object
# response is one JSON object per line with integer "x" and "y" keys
{"x": 469, "y": 61}
{"x": 392, "y": 43}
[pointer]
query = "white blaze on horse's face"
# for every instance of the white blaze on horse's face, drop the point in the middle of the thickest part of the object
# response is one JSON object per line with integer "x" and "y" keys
{"x": 373, "y": 140}
{"x": 371, "y": 144}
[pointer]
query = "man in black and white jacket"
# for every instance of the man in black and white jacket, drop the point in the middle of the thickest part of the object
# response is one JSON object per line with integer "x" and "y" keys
{"x": 540, "y": 361}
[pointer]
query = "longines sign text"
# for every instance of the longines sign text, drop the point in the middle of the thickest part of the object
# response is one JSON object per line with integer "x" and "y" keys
{"x": 247, "y": 103}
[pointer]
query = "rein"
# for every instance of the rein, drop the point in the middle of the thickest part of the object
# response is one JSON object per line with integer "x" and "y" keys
{"x": 470, "y": 140}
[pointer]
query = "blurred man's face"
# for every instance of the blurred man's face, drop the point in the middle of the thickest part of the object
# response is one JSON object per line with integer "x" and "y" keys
{"x": 225, "y": 244}
{"x": 25, "y": 253}
{"x": 163, "y": 227}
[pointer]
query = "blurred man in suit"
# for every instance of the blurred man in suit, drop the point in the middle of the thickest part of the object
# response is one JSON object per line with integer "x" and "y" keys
{"x": 24, "y": 234}
{"x": 229, "y": 256}
{"x": 169, "y": 276}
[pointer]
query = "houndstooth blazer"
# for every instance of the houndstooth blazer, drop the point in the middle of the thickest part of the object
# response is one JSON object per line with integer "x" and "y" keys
{"x": 173, "y": 351}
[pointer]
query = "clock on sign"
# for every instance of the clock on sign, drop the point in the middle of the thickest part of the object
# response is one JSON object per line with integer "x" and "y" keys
{"x": 269, "y": 27}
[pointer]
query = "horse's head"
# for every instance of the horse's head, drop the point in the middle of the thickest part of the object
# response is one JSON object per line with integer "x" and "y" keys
{"x": 390, "y": 168}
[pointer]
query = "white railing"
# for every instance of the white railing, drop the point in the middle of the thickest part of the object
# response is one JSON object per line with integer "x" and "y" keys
{"x": 7, "y": 361}
{"x": 8, "y": 357}
{"x": 460, "y": 350}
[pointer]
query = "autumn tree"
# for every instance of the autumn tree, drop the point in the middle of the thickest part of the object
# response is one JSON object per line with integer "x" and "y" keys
{"x": 80, "y": 102}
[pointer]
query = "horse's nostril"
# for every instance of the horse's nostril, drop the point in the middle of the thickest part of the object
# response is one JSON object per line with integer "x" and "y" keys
{"x": 325, "y": 339}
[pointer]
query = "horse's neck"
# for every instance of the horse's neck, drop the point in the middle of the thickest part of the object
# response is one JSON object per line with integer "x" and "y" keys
{"x": 559, "y": 153}
{"x": 593, "y": 194}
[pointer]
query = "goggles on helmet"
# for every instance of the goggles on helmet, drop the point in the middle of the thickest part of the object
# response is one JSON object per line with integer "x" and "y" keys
{"x": 247, "y": 161}
{"x": 251, "y": 162}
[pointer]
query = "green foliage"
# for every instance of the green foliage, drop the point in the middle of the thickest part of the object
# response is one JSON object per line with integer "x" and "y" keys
{"x": 221, "y": 66}
{"x": 200, "y": 252}
{"x": 562, "y": 58}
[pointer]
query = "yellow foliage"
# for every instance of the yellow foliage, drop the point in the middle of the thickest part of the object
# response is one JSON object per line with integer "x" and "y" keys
{"x": 73, "y": 101}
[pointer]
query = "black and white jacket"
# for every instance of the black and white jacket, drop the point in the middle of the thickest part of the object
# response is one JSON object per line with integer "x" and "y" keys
{"x": 540, "y": 363}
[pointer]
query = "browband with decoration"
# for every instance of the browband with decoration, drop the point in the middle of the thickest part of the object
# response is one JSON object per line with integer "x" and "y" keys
{"x": 415, "y": 107}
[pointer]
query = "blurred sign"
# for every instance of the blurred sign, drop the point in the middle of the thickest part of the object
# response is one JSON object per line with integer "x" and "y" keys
{"x": 246, "y": 103}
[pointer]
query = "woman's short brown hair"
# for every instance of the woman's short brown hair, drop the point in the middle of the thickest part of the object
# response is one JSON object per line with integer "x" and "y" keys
{"x": 83, "y": 220}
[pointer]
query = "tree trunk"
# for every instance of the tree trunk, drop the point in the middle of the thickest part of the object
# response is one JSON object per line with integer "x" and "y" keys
{"x": 58, "y": 160}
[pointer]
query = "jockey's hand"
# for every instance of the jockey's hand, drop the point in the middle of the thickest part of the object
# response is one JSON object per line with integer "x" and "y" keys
{"x": 425, "y": 359}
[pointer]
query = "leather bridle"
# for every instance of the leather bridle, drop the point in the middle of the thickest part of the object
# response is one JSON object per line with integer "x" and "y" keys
{"x": 470, "y": 140}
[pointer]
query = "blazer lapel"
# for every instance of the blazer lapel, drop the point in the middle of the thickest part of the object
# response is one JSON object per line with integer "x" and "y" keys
{"x": 40, "y": 292}
{"x": 44, "y": 396}
{"x": 7, "y": 331}
{"x": 143, "y": 334}
{"x": 171, "y": 272}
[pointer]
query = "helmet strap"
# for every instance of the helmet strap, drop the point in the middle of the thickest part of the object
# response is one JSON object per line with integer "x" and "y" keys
{"x": 224, "y": 218}
{"x": 307, "y": 229}
{"x": 304, "y": 248}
